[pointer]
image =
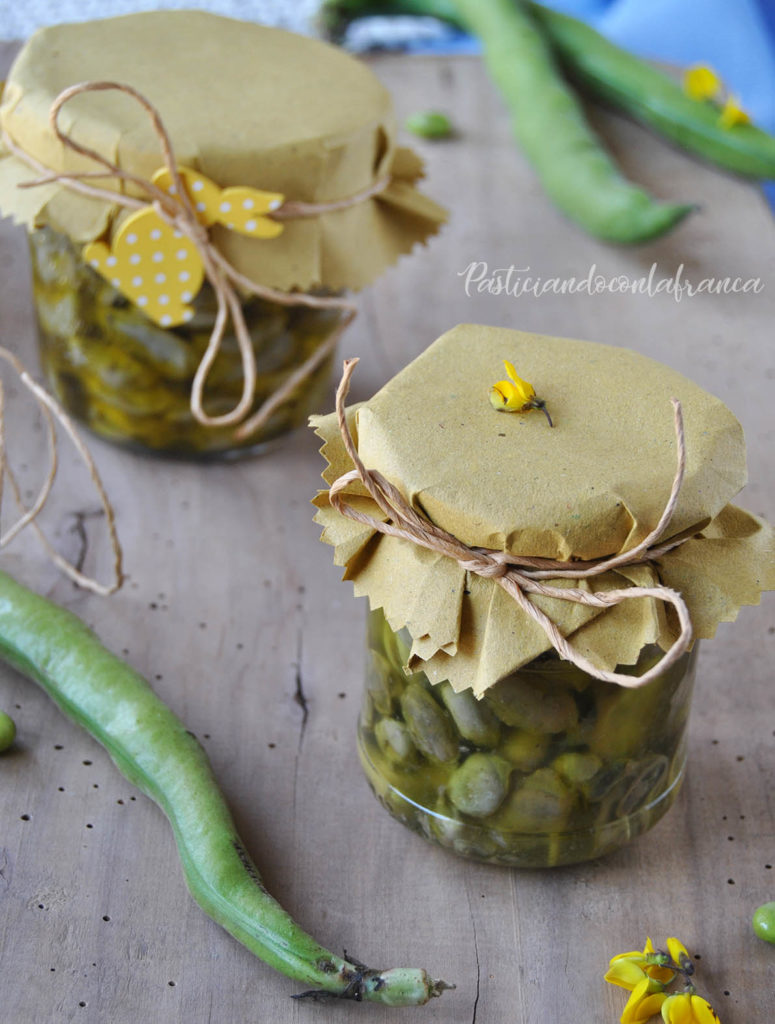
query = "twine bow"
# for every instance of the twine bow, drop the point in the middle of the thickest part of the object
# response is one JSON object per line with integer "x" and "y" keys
{"x": 520, "y": 576}
{"x": 179, "y": 213}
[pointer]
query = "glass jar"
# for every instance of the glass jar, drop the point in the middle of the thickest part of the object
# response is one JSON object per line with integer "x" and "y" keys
{"x": 130, "y": 381}
{"x": 550, "y": 767}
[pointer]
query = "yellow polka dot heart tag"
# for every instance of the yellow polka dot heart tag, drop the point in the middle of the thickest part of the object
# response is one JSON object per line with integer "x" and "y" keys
{"x": 160, "y": 269}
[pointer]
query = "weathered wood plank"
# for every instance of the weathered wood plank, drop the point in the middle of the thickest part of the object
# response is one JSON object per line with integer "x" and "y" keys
{"x": 232, "y": 604}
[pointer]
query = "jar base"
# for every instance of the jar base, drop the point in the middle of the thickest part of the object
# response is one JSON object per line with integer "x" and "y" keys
{"x": 512, "y": 849}
{"x": 200, "y": 448}
{"x": 187, "y": 454}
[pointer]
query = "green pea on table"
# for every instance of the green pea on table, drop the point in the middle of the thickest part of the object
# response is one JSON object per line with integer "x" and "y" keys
{"x": 7, "y": 731}
{"x": 764, "y": 922}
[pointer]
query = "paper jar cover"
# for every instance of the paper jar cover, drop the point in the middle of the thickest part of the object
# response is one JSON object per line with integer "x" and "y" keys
{"x": 594, "y": 485}
{"x": 245, "y": 105}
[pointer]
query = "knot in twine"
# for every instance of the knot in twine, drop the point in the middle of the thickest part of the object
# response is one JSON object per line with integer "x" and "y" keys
{"x": 180, "y": 214}
{"x": 520, "y": 576}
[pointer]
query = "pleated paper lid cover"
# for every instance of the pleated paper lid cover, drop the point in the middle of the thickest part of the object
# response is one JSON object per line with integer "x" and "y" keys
{"x": 592, "y": 486}
{"x": 245, "y": 105}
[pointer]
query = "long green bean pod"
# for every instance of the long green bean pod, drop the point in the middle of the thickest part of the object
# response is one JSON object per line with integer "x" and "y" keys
{"x": 153, "y": 749}
{"x": 547, "y": 119}
{"x": 608, "y": 73}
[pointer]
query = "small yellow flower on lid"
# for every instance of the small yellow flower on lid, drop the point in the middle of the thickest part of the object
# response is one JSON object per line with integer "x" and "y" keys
{"x": 516, "y": 395}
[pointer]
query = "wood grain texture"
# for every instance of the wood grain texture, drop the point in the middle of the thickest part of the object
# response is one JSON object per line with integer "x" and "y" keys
{"x": 233, "y": 610}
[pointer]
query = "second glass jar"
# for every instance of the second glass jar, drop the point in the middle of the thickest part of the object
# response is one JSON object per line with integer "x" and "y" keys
{"x": 551, "y": 767}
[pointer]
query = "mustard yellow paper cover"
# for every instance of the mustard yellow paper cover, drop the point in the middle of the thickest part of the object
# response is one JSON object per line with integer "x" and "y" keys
{"x": 244, "y": 105}
{"x": 594, "y": 485}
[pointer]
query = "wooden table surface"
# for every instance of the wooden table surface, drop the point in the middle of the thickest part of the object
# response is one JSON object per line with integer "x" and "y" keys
{"x": 234, "y": 611}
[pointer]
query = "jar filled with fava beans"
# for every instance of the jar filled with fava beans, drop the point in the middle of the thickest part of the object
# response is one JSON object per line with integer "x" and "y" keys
{"x": 542, "y": 546}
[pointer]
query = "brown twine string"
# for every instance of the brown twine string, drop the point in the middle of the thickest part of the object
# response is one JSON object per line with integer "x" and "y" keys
{"x": 522, "y": 576}
{"x": 51, "y": 411}
{"x": 179, "y": 213}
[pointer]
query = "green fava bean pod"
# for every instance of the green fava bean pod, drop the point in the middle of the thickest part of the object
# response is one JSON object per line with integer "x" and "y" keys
{"x": 153, "y": 749}
{"x": 548, "y": 121}
{"x": 577, "y": 173}
{"x": 607, "y": 72}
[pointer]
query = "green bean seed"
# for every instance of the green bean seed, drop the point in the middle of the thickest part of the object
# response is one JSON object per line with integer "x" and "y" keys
{"x": 473, "y": 718}
{"x": 7, "y": 731}
{"x": 479, "y": 786}
{"x": 626, "y": 719}
{"x": 610, "y": 783}
{"x": 378, "y": 682}
{"x": 764, "y": 922}
{"x": 430, "y": 728}
{"x": 397, "y": 647}
{"x": 430, "y": 124}
{"x": 531, "y": 704}
{"x": 541, "y": 804}
{"x": 525, "y": 750}
{"x": 647, "y": 778}
{"x": 155, "y": 751}
{"x": 577, "y": 768}
{"x": 395, "y": 742}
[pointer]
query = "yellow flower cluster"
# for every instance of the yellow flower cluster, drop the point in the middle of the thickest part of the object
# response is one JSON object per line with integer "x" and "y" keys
{"x": 646, "y": 976}
{"x": 702, "y": 83}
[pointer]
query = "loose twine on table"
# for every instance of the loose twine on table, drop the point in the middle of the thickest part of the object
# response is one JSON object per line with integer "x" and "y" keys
{"x": 518, "y": 575}
{"x": 178, "y": 212}
{"x": 51, "y": 410}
